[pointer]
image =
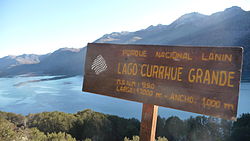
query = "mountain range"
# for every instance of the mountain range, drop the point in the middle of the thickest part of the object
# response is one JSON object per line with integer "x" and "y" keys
{"x": 64, "y": 61}
{"x": 230, "y": 27}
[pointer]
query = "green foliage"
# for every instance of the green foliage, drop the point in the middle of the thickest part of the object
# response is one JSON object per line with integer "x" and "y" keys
{"x": 59, "y": 137}
{"x": 10, "y": 132}
{"x": 194, "y": 129}
{"x": 88, "y": 125}
{"x": 197, "y": 129}
{"x": 33, "y": 134}
{"x": 137, "y": 138}
{"x": 87, "y": 139}
{"x": 7, "y": 130}
{"x": 85, "y": 124}
{"x": 175, "y": 128}
{"x": 241, "y": 128}
{"x": 162, "y": 139}
{"x": 17, "y": 119}
{"x": 93, "y": 125}
{"x": 49, "y": 122}
{"x": 101, "y": 127}
{"x": 160, "y": 125}
{"x": 122, "y": 127}
{"x": 134, "y": 138}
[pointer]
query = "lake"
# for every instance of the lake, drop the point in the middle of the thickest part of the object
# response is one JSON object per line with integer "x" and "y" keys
{"x": 65, "y": 95}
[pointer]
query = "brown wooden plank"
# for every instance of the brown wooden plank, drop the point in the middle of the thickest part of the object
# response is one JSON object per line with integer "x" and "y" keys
{"x": 202, "y": 80}
{"x": 148, "y": 122}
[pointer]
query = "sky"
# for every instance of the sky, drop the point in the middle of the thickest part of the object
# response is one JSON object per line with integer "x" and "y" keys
{"x": 43, "y": 26}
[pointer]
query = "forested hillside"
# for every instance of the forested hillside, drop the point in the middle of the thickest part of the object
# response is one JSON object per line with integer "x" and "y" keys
{"x": 88, "y": 125}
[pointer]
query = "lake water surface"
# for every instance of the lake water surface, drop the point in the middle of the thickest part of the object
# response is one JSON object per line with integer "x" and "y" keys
{"x": 66, "y": 95}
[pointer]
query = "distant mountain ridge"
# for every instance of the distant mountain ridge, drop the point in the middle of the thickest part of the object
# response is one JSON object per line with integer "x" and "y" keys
{"x": 64, "y": 61}
{"x": 12, "y": 61}
{"x": 233, "y": 19}
{"x": 230, "y": 27}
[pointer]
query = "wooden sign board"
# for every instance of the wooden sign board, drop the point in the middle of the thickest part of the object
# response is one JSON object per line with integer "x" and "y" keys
{"x": 202, "y": 80}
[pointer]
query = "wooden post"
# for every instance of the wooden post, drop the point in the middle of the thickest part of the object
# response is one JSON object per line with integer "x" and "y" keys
{"x": 148, "y": 122}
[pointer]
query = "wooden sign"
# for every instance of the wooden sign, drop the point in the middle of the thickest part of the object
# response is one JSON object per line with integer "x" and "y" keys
{"x": 202, "y": 80}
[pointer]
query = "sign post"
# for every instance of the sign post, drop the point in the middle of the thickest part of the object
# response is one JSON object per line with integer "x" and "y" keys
{"x": 202, "y": 80}
{"x": 148, "y": 122}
